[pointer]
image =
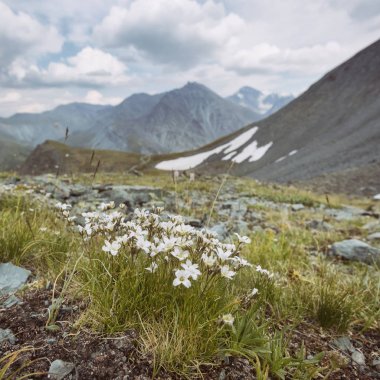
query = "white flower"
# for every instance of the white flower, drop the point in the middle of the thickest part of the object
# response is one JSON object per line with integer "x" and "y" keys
{"x": 228, "y": 319}
{"x": 240, "y": 262}
{"x": 264, "y": 271}
{"x": 143, "y": 244}
{"x": 229, "y": 247}
{"x": 192, "y": 269}
{"x": 184, "y": 229}
{"x": 254, "y": 291}
{"x": 112, "y": 248}
{"x": 123, "y": 239}
{"x": 222, "y": 254}
{"x": 243, "y": 239}
{"x": 208, "y": 260}
{"x": 43, "y": 229}
{"x": 226, "y": 272}
{"x": 63, "y": 206}
{"x": 180, "y": 254}
{"x": 88, "y": 229}
{"x": 152, "y": 267}
{"x": 182, "y": 277}
{"x": 168, "y": 243}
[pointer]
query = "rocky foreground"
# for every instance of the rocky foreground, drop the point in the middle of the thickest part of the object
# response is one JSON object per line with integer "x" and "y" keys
{"x": 344, "y": 232}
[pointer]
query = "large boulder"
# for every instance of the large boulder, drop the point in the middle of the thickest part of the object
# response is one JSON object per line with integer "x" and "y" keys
{"x": 356, "y": 250}
{"x": 12, "y": 278}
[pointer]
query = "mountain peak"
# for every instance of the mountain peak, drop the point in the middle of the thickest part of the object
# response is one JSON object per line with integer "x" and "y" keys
{"x": 249, "y": 91}
{"x": 258, "y": 102}
{"x": 195, "y": 86}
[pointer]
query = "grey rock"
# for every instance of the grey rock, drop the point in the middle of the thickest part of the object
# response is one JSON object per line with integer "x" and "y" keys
{"x": 376, "y": 363}
{"x": 220, "y": 229}
{"x": 197, "y": 223}
{"x": 372, "y": 226}
{"x": 59, "y": 369}
{"x": 358, "y": 358}
{"x": 319, "y": 225}
{"x": 345, "y": 213}
{"x": 298, "y": 207}
{"x": 12, "y": 300}
{"x": 374, "y": 236}
{"x": 242, "y": 227}
{"x": 133, "y": 196}
{"x": 12, "y": 278}
{"x": 344, "y": 344}
{"x": 78, "y": 190}
{"x": 356, "y": 250}
{"x": 7, "y": 335}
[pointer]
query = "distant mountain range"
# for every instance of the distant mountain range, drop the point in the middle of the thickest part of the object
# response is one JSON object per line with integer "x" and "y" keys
{"x": 258, "y": 102}
{"x": 331, "y": 128}
{"x": 177, "y": 120}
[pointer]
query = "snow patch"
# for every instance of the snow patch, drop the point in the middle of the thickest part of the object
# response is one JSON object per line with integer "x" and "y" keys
{"x": 281, "y": 159}
{"x": 376, "y": 197}
{"x": 251, "y": 151}
{"x": 262, "y": 106}
{"x": 229, "y": 156}
{"x": 240, "y": 96}
{"x": 288, "y": 155}
{"x": 238, "y": 141}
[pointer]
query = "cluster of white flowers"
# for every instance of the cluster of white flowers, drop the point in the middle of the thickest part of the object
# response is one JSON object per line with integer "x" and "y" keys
{"x": 163, "y": 241}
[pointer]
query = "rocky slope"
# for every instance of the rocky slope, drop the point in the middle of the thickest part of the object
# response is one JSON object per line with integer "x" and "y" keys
{"x": 174, "y": 121}
{"x": 333, "y": 126}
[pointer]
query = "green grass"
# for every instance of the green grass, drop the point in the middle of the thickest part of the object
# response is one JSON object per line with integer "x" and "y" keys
{"x": 180, "y": 327}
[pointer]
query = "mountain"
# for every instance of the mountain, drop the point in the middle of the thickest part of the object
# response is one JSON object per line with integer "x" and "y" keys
{"x": 180, "y": 119}
{"x": 33, "y": 128}
{"x": 258, "y": 102}
{"x": 12, "y": 154}
{"x": 332, "y": 127}
{"x": 177, "y": 120}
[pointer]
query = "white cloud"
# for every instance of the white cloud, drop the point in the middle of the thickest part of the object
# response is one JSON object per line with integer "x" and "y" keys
{"x": 23, "y": 35}
{"x": 32, "y": 108}
{"x": 91, "y": 67}
{"x": 10, "y": 97}
{"x": 266, "y": 58}
{"x": 118, "y": 47}
{"x": 95, "y": 97}
{"x": 178, "y": 32}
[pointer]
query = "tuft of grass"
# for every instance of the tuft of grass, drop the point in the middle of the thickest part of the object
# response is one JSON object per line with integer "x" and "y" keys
{"x": 10, "y": 368}
{"x": 30, "y": 233}
{"x": 332, "y": 306}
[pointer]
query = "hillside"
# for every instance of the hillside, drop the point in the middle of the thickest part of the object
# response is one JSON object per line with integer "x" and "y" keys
{"x": 12, "y": 154}
{"x": 174, "y": 121}
{"x": 33, "y": 128}
{"x": 333, "y": 126}
{"x": 55, "y": 157}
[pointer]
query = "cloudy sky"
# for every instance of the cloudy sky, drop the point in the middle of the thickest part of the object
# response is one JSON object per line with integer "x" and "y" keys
{"x": 55, "y": 52}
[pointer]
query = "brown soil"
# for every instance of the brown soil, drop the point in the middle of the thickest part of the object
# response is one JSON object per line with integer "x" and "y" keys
{"x": 118, "y": 357}
{"x": 95, "y": 356}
